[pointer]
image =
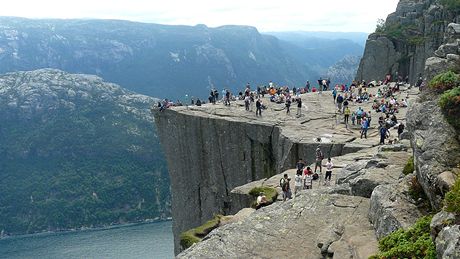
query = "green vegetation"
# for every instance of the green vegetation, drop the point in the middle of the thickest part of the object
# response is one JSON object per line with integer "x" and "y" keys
{"x": 91, "y": 166}
{"x": 450, "y": 105}
{"x": 453, "y": 5}
{"x": 452, "y": 198}
{"x": 445, "y": 81}
{"x": 409, "y": 167}
{"x": 195, "y": 235}
{"x": 269, "y": 192}
{"x": 407, "y": 33}
{"x": 414, "y": 242}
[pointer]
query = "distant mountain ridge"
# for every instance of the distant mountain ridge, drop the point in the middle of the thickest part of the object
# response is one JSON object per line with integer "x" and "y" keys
{"x": 164, "y": 60}
{"x": 76, "y": 151}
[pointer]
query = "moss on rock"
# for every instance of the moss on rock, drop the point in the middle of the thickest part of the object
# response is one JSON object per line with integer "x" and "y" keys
{"x": 195, "y": 235}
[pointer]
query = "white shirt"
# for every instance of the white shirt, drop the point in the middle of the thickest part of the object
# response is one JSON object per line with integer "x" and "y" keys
{"x": 298, "y": 180}
{"x": 329, "y": 166}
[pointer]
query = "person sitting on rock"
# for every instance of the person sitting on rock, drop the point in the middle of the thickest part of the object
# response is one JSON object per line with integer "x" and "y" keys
{"x": 261, "y": 201}
{"x": 198, "y": 102}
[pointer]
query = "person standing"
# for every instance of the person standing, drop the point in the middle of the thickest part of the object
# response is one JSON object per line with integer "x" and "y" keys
{"x": 258, "y": 107}
{"x": 299, "y": 107}
{"x": 400, "y": 130}
{"x": 227, "y": 98}
{"x": 347, "y": 113}
{"x": 383, "y": 134}
{"x": 339, "y": 103}
{"x": 319, "y": 159}
{"x": 364, "y": 127}
{"x": 297, "y": 182}
{"x": 288, "y": 106}
{"x": 329, "y": 166}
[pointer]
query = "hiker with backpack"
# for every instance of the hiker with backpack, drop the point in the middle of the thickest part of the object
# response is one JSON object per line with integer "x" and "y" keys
{"x": 284, "y": 184}
{"x": 319, "y": 159}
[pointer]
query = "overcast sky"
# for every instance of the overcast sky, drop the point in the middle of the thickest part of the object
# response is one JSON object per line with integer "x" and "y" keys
{"x": 266, "y": 15}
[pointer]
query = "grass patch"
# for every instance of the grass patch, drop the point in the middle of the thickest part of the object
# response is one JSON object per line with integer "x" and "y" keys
{"x": 409, "y": 167}
{"x": 414, "y": 242}
{"x": 450, "y": 105}
{"x": 452, "y": 198}
{"x": 445, "y": 81}
{"x": 195, "y": 235}
{"x": 269, "y": 192}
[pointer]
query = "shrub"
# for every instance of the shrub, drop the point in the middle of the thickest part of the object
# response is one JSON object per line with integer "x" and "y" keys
{"x": 452, "y": 198}
{"x": 450, "y": 105}
{"x": 453, "y": 5}
{"x": 195, "y": 235}
{"x": 269, "y": 192}
{"x": 415, "y": 242}
{"x": 409, "y": 167}
{"x": 445, "y": 81}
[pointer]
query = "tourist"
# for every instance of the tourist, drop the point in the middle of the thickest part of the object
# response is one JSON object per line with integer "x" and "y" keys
{"x": 246, "y": 102}
{"x": 384, "y": 133}
{"x": 300, "y": 165}
{"x": 319, "y": 159}
{"x": 284, "y": 183}
{"x": 258, "y": 107}
{"x": 339, "y": 103}
{"x": 329, "y": 166}
{"x": 364, "y": 127}
{"x": 288, "y": 106}
{"x": 353, "y": 118}
{"x": 308, "y": 178}
{"x": 261, "y": 201}
{"x": 227, "y": 98}
{"x": 334, "y": 94}
{"x": 347, "y": 114}
{"x": 299, "y": 107}
{"x": 198, "y": 102}
{"x": 297, "y": 182}
{"x": 400, "y": 130}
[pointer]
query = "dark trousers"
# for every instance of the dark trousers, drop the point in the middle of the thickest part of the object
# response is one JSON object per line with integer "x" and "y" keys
{"x": 258, "y": 111}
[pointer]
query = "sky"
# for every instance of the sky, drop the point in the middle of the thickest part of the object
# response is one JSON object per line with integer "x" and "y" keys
{"x": 266, "y": 15}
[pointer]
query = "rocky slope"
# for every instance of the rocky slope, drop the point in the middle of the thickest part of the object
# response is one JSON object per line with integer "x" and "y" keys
{"x": 408, "y": 37}
{"x": 76, "y": 151}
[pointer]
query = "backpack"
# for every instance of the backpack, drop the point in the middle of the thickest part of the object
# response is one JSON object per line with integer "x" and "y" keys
{"x": 283, "y": 184}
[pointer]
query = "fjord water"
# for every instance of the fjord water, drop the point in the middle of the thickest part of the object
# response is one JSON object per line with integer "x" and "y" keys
{"x": 152, "y": 240}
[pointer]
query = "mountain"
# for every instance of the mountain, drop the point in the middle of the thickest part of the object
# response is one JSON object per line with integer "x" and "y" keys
{"x": 75, "y": 152}
{"x": 322, "y": 50}
{"x": 344, "y": 71}
{"x": 305, "y": 36}
{"x": 408, "y": 37}
{"x": 152, "y": 59}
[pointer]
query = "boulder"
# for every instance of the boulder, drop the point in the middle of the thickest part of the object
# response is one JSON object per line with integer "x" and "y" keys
{"x": 448, "y": 242}
{"x": 392, "y": 208}
{"x": 435, "y": 147}
{"x": 439, "y": 221}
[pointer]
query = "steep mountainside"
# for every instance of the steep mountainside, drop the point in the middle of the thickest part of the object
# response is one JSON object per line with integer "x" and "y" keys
{"x": 344, "y": 71}
{"x": 76, "y": 151}
{"x": 408, "y": 37}
{"x": 157, "y": 60}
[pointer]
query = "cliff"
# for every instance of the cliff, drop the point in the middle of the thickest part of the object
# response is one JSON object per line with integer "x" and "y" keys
{"x": 409, "y": 36}
{"x": 213, "y": 148}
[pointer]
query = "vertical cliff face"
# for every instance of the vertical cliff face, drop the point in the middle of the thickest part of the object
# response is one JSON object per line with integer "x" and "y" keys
{"x": 408, "y": 37}
{"x": 212, "y": 150}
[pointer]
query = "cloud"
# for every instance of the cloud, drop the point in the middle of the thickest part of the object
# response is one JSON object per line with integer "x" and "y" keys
{"x": 267, "y": 15}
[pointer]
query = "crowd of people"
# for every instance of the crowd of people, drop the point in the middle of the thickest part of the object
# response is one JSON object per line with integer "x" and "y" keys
{"x": 349, "y": 101}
